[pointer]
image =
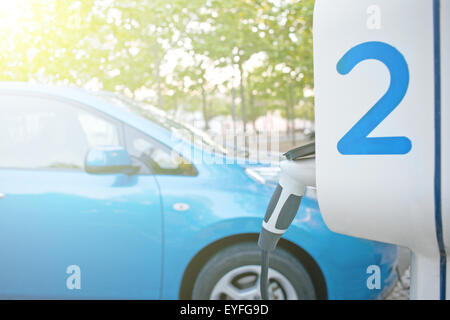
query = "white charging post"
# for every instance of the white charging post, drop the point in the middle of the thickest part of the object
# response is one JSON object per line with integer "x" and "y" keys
{"x": 382, "y": 96}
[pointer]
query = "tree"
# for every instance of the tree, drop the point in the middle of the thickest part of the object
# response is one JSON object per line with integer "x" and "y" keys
{"x": 127, "y": 45}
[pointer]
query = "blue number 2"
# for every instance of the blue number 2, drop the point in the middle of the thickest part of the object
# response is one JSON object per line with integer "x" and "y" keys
{"x": 356, "y": 140}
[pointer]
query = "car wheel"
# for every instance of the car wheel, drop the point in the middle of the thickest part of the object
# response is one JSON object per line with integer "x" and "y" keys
{"x": 233, "y": 274}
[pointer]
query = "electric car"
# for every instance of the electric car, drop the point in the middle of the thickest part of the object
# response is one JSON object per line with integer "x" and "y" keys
{"x": 102, "y": 198}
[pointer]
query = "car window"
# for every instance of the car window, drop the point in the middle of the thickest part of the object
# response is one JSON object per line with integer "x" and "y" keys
{"x": 154, "y": 157}
{"x": 42, "y": 133}
{"x": 161, "y": 118}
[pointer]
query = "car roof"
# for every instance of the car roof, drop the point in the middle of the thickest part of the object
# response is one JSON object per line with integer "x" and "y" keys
{"x": 90, "y": 99}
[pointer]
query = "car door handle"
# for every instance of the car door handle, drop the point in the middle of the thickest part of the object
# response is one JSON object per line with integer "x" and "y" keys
{"x": 181, "y": 206}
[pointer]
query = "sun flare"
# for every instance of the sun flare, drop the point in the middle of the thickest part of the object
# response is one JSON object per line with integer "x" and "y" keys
{"x": 10, "y": 13}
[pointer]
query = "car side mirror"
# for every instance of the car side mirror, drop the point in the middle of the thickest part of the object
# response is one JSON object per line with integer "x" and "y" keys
{"x": 109, "y": 160}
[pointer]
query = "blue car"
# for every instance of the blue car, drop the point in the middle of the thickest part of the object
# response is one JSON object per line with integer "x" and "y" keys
{"x": 98, "y": 200}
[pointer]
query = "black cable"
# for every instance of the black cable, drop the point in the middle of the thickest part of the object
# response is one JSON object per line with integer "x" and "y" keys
{"x": 301, "y": 152}
{"x": 264, "y": 274}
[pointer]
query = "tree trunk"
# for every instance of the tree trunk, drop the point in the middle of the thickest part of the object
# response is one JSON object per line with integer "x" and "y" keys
{"x": 158, "y": 83}
{"x": 175, "y": 105}
{"x": 252, "y": 110}
{"x": 288, "y": 117}
{"x": 233, "y": 109}
{"x": 251, "y": 103}
{"x": 242, "y": 95}
{"x": 158, "y": 75}
{"x": 205, "y": 107}
{"x": 291, "y": 109}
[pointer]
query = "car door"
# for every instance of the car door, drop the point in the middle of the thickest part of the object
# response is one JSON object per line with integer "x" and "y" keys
{"x": 65, "y": 233}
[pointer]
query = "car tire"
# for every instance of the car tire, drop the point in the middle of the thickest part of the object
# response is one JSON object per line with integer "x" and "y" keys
{"x": 233, "y": 273}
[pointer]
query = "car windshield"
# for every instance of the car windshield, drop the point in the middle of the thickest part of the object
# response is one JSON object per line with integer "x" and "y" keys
{"x": 161, "y": 118}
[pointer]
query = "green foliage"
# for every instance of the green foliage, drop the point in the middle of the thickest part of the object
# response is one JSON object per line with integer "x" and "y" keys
{"x": 126, "y": 45}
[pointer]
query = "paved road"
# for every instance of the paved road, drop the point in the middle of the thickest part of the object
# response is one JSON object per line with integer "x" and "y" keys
{"x": 401, "y": 289}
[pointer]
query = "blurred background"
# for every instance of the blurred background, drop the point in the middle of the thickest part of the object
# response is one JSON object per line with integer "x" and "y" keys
{"x": 226, "y": 67}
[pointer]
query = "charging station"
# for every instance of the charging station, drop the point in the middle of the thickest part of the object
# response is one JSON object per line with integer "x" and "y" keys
{"x": 382, "y": 110}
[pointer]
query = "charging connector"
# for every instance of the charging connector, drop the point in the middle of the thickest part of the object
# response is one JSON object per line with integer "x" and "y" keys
{"x": 296, "y": 175}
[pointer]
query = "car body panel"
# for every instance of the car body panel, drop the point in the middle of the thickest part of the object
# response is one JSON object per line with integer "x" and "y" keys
{"x": 103, "y": 224}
